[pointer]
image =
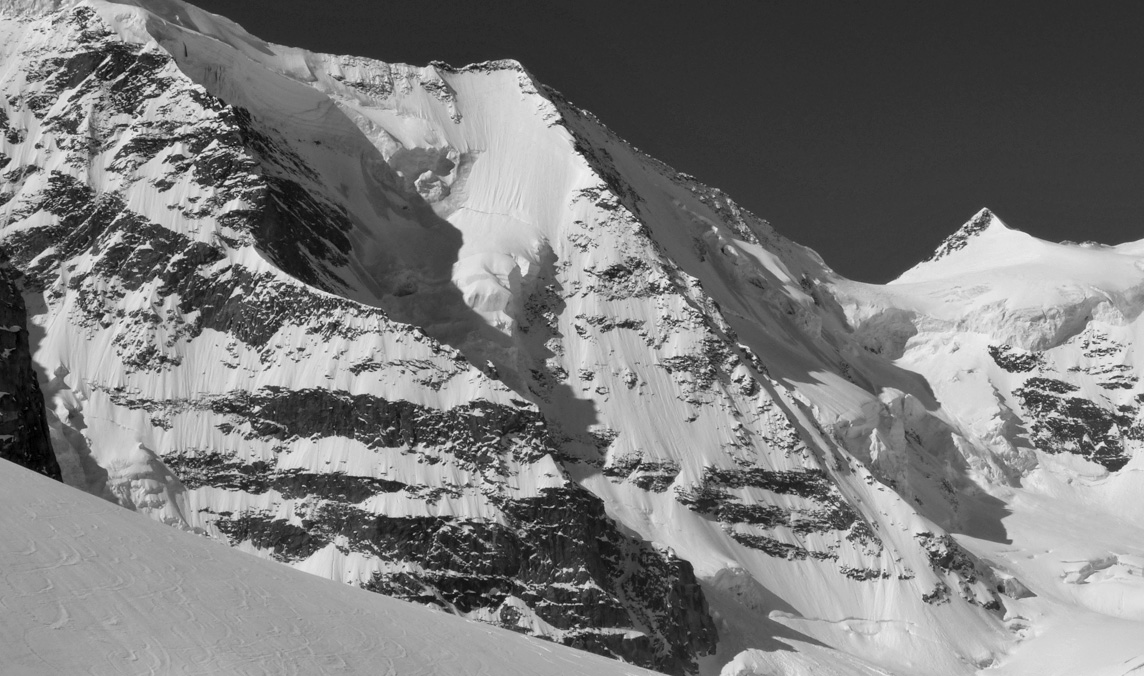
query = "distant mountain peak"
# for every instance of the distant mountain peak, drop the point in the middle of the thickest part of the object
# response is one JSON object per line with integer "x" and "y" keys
{"x": 980, "y": 222}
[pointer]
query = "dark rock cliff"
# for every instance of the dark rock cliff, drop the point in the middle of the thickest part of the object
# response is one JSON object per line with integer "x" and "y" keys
{"x": 24, "y": 437}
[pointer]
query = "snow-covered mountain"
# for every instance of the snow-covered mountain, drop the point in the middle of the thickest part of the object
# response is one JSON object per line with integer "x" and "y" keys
{"x": 438, "y": 333}
{"x": 1030, "y": 353}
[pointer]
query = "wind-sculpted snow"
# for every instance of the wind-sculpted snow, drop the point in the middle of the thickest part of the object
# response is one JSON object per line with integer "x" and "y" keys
{"x": 438, "y": 333}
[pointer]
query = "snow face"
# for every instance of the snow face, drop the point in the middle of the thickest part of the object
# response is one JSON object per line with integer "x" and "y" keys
{"x": 438, "y": 333}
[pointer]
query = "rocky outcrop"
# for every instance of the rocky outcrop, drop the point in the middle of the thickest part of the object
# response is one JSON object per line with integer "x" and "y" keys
{"x": 559, "y": 559}
{"x": 24, "y": 437}
{"x": 820, "y": 509}
{"x": 552, "y": 563}
{"x": 960, "y": 239}
{"x": 1062, "y": 422}
{"x": 949, "y": 559}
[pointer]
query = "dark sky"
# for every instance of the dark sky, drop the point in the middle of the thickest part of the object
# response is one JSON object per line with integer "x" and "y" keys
{"x": 866, "y": 130}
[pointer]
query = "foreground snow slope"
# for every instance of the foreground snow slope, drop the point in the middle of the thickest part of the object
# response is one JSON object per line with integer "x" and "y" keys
{"x": 89, "y": 587}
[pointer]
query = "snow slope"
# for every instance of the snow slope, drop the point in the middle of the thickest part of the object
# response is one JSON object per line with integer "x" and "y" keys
{"x": 92, "y": 588}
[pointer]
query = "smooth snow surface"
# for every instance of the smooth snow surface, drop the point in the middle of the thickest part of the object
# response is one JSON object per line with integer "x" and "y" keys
{"x": 90, "y": 588}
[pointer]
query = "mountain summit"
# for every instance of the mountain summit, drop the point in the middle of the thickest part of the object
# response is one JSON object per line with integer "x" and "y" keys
{"x": 437, "y": 333}
{"x": 983, "y": 220}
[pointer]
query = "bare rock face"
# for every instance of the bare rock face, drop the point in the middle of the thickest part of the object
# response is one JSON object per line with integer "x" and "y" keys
{"x": 24, "y": 437}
